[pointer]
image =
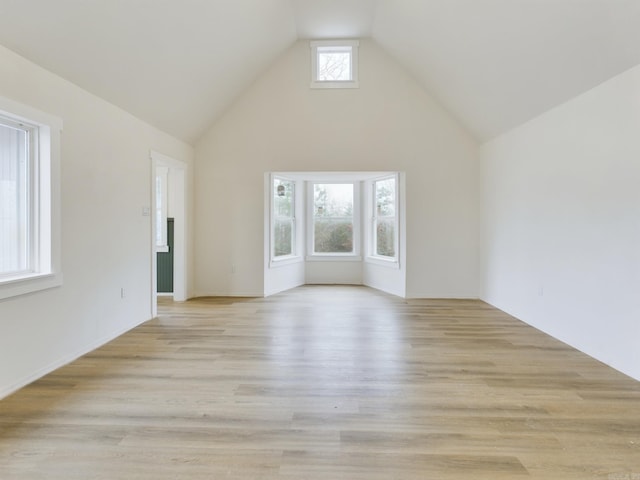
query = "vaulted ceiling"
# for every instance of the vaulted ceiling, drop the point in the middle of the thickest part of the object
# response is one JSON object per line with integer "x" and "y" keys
{"x": 178, "y": 64}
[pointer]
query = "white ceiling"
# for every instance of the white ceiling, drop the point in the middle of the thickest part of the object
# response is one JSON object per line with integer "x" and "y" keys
{"x": 175, "y": 63}
{"x": 497, "y": 63}
{"x": 178, "y": 64}
{"x": 321, "y": 19}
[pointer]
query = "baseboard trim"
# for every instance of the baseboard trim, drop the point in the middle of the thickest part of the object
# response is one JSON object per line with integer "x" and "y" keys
{"x": 5, "y": 391}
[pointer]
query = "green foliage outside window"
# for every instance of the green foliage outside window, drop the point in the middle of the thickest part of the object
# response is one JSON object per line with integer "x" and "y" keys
{"x": 385, "y": 238}
{"x": 333, "y": 218}
{"x": 283, "y": 210}
{"x": 385, "y": 199}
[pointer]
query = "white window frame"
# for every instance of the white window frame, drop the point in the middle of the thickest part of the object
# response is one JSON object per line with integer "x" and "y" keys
{"x": 45, "y": 271}
{"x": 337, "y": 256}
{"x": 372, "y": 256}
{"x": 295, "y": 234}
{"x": 351, "y": 46}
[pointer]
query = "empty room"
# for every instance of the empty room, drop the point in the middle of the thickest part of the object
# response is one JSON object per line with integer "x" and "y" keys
{"x": 316, "y": 239}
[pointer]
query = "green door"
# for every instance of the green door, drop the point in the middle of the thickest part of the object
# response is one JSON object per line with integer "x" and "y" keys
{"x": 165, "y": 263}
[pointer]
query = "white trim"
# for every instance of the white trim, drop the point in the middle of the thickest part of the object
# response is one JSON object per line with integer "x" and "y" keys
{"x": 349, "y": 45}
{"x": 230, "y": 295}
{"x": 46, "y": 196}
{"x": 285, "y": 260}
{"x": 333, "y": 176}
{"x": 334, "y": 257}
{"x": 383, "y": 261}
{"x": 29, "y": 284}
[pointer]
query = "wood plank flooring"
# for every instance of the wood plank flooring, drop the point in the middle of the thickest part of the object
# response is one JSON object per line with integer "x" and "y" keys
{"x": 326, "y": 383}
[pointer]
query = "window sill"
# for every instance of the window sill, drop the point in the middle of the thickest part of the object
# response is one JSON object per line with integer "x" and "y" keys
{"x": 162, "y": 249}
{"x": 13, "y": 287}
{"x": 384, "y": 262}
{"x": 333, "y": 257}
{"x": 336, "y": 84}
{"x": 284, "y": 261}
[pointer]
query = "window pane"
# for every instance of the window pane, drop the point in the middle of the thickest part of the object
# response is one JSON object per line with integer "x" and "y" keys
{"x": 333, "y": 235}
{"x": 334, "y": 66}
{"x": 333, "y": 200}
{"x": 386, "y": 197}
{"x": 385, "y": 237}
{"x": 282, "y": 198}
{"x": 282, "y": 236}
{"x": 333, "y": 218}
{"x": 384, "y": 234}
{"x": 283, "y": 217}
{"x": 14, "y": 205}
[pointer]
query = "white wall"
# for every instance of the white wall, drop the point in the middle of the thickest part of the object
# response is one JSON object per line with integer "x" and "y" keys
{"x": 388, "y": 124}
{"x": 561, "y": 222}
{"x": 333, "y": 273}
{"x": 106, "y": 242}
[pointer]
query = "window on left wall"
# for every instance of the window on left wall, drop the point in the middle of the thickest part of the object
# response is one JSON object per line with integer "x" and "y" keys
{"x": 29, "y": 200}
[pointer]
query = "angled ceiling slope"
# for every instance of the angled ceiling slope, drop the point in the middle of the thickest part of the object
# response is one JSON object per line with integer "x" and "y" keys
{"x": 173, "y": 63}
{"x": 178, "y": 64}
{"x": 496, "y": 64}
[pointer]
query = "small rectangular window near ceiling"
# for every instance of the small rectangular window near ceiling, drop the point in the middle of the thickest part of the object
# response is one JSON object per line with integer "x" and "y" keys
{"x": 334, "y": 64}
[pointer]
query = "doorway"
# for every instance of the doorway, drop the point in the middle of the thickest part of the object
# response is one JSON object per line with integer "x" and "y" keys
{"x": 175, "y": 208}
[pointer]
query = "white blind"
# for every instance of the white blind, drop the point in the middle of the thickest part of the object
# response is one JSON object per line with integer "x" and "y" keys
{"x": 14, "y": 198}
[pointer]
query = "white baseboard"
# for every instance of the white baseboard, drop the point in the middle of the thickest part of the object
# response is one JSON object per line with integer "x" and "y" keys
{"x": 5, "y": 391}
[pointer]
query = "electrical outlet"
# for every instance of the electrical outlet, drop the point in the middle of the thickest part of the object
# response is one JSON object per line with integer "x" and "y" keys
{"x": 122, "y": 294}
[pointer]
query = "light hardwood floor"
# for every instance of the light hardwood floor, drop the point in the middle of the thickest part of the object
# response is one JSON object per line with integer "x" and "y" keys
{"x": 326, "y": 383}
